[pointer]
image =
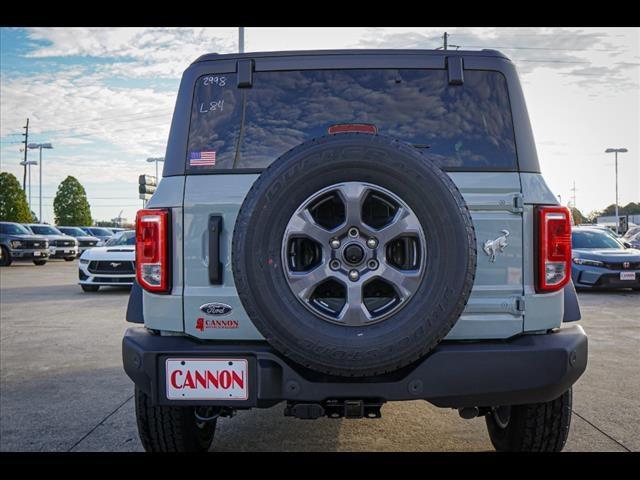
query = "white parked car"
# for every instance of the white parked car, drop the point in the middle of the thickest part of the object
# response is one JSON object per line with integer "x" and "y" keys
{"x": 60, "y": 245}
{"x": 110, "y": 265}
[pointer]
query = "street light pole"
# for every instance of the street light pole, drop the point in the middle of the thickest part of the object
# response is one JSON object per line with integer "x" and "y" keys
{"x": 616, "y": 151}
{"x": 156, "y": 160}
{"x": 27, "y": 165}
{"x": 40, "y": 185}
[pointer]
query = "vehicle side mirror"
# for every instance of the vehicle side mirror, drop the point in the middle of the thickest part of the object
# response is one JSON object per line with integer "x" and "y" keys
{"x": 627, "y": 245}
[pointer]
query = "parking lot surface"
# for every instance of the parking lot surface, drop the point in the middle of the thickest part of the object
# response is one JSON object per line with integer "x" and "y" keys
{"x": 62, "y": 387}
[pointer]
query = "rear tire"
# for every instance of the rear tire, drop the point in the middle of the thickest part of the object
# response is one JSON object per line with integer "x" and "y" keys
{"x": 69, "y": 259}
{"x": 536, "y": 427}
{"x": 40, "y": 262}
{"x": 171, "y": 429}
{"x": 90, "y": 288}
{"x": 6, "y": 260}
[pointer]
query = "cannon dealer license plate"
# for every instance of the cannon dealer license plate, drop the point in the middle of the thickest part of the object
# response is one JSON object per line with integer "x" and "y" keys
{"x": 627, "y": 275}
{"x": 207, "y": 379}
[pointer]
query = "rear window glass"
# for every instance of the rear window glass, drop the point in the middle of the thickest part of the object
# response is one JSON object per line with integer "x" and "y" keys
{"x": 467, "y": 126}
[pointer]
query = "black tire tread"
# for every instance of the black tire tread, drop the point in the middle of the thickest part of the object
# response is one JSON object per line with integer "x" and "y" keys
{"x": 6, "y": 257}
{"x": 167, "y": 429}
{"x": 537, "y": 427}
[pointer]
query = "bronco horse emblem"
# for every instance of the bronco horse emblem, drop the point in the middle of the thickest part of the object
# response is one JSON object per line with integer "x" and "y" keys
{"x": 492, "y": 247}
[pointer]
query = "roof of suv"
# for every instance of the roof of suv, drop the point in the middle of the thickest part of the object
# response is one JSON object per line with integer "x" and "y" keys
{"x": 231, "y": 56}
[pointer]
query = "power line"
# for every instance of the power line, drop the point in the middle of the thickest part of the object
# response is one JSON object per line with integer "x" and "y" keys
{"x": 545, "y": 48}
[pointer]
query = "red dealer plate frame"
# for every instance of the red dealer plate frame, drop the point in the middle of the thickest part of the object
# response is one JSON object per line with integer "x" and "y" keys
{"x": 203, "y": 365}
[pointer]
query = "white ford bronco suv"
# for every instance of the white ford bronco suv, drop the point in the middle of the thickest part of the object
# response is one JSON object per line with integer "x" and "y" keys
{"x": 339, "y": 229}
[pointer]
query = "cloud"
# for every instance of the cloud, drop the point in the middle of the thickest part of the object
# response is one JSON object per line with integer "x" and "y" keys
{"x": 135, "y": 52}
{"x": 531, "y": 49}
{"x": 75, "y": 104}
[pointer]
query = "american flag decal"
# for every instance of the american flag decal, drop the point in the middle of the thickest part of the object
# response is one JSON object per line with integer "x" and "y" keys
{"x": 202, "y": 159}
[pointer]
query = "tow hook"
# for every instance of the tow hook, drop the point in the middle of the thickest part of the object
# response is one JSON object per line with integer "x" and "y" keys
{"x": 334, "y": 409}
{"x": 209, "y": 414}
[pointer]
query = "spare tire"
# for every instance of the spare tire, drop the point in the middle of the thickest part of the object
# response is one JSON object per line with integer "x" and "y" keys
{"x": 353, "y": 254}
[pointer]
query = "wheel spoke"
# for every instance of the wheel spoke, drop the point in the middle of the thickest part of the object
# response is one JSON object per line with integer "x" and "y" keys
{"x": 352, "y": 195}
{"x": 303, "y": 224}
{"x": 354, "y": 312}
{"x": 405, "y": 222}
{"x": 406, "y": 282}
{"x": 303, "y": 283}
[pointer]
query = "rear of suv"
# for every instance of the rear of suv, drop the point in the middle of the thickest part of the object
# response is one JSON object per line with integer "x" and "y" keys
{"x": 339, "y": 229}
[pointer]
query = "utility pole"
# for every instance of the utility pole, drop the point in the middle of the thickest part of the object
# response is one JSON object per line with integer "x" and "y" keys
{"x": 26, "y": 139}
{"x": 616, "y": 151}
{"x": 444, "y": 39}
{"x": 241, "y": 39}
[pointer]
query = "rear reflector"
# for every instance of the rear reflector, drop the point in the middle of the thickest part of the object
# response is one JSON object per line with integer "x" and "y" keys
{"x": 152, "y": 259}
{"x": 554, "y": 248}
{"x": 353, "y": 127}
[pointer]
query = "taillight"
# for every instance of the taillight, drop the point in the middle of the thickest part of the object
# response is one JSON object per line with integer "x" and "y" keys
{"x": 353, "y": 127}
{"x": 152, "y": 250}
{"x": 554, "y": 248}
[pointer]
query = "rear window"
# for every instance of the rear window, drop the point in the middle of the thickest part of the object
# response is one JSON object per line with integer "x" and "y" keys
{"x": 467, "y": 126}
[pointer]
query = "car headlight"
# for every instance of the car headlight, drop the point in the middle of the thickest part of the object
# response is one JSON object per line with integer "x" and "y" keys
{"x": 585, "y": 261}
{"x": 84, "y": 261}
{"x": 16, "y": 244}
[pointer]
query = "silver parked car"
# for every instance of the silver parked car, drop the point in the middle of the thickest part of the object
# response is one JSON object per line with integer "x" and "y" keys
{"x": 103, "y": 234}
{"x": 60, "y": 245}
{"x": 85, "y": 241}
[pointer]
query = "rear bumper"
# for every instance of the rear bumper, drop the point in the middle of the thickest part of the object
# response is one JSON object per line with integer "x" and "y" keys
{"x": 527, "y": 369}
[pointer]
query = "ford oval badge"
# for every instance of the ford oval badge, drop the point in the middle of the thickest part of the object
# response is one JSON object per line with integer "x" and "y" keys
{"x": 215, "y": 308}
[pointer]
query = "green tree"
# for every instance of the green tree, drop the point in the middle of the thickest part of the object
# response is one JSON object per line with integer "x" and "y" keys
{"x": 593, "y": 215}
{"x": 578, "y": 218}
{"x": 13, "y": 201}
{"x": 70, "y": 205}
{"x": 630, "y": 208}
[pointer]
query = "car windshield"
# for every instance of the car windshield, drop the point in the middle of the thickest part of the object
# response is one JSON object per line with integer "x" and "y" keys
{"x": 14, "y": 229}
{"x": 44, "y": 230}
{"x": 632, "y": 232}
{"x": 101, "y": 232}
{"x": 124, "y": 238}
{"x": 593, "y": 239}
{"x": 73, "y": 231}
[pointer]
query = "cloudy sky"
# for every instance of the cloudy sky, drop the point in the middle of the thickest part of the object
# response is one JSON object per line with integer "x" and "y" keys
{"x": 104, "y": 98}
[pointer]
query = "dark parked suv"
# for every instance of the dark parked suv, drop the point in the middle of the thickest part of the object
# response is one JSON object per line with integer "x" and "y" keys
{"x": 18, "y": 243}
{"x": 339, "y": 229}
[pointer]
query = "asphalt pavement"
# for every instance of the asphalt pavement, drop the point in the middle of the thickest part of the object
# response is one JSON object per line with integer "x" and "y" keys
{"x": 62, "y": 387}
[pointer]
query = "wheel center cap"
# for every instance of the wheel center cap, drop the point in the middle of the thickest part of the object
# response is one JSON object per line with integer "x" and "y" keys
{"x": 353, "y": 254}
